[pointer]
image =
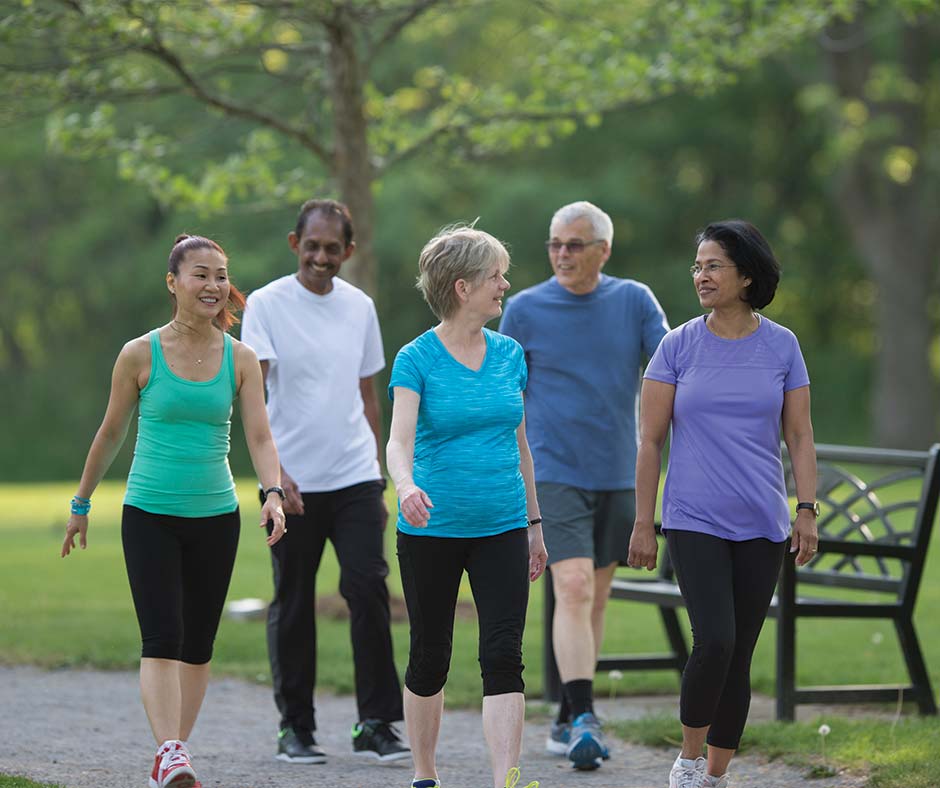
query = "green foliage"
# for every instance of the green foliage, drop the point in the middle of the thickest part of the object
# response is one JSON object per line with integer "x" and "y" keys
{"x": 487, "y": 79}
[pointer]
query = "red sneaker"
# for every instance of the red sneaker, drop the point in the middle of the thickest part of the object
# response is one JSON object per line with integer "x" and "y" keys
{"x": 172, "y": 768}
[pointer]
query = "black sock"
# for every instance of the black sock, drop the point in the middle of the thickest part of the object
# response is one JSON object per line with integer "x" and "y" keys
{"x": 564, "y": 709}
{"x": 580, "y": 696}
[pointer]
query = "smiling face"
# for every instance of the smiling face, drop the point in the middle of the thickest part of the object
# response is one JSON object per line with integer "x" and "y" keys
{"x": 201, "y": 286}
{"x": 720, "y": 285}
{"x": 485, "y": 296}
{"x": 321, "y": 252}
{"x": 578, "y": 272}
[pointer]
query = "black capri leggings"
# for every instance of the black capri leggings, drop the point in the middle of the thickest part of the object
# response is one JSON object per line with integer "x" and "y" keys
{"x": 727, "y": 587}
{"x": 498, "y": 568}
{"x": 179, "y": 570}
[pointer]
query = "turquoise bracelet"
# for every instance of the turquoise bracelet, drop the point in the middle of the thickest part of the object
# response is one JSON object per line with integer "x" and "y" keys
{"x": 80, "y": 505}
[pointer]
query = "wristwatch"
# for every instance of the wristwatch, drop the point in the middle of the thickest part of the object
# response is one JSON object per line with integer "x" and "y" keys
{"x": 811, "y": 505}
{"x": 278, "y": 490}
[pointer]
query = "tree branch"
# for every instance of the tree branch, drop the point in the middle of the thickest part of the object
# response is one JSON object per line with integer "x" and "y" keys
{"x": 170, "y": 59}
{"x": 394, "y": 29}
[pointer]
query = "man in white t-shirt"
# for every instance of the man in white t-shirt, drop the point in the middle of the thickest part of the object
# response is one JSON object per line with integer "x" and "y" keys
{"x": 317, "y": 338}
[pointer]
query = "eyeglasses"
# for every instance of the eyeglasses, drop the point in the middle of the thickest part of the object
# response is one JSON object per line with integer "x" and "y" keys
{"x": 709, "y": 268}
{"x": 575, "y": 247}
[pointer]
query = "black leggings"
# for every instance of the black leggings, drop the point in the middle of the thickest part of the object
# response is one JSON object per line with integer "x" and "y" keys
{"x": 179, "y": 570}
{"x": 727, "y": 587}
{"x": 498, "y": 568}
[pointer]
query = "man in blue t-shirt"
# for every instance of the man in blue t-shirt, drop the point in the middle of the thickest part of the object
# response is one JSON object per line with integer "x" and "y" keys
{"x": 585, "y": 336}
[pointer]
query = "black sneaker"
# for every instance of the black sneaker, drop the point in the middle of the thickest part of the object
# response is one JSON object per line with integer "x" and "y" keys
{"x": 378, "y": 739}
{"x": 296, "y": 745}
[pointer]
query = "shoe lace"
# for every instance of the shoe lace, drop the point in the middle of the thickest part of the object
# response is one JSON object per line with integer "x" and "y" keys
{"x": 176, "y": 755}
{"x": 512, "y": 777}
{"x": 688, "y": 778}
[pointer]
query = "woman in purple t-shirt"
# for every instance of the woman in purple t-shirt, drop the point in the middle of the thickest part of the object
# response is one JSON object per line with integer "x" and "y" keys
{"x": 727, "y": 382}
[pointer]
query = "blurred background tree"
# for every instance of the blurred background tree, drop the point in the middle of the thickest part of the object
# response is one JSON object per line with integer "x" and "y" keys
{"x": 223, "y": 117}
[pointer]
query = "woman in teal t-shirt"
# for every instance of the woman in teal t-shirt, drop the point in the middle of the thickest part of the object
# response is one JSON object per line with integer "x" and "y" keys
{"x": 466, "y": 489}
{"x": 180, "y": 521}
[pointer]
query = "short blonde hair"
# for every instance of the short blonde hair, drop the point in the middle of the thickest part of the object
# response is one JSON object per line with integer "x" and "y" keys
{"x": 456, "y": 252}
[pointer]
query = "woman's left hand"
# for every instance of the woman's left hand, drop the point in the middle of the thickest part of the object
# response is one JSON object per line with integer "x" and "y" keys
{"x": 538, "y": 555}
{"x": 804, "y": 540}
{"x": 272, "y": 512}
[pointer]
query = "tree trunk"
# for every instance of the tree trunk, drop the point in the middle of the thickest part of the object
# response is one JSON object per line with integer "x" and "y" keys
{"x": 895, "y": 232}
{"x": 902, "y": 264}
{"x": 351, "y": 166}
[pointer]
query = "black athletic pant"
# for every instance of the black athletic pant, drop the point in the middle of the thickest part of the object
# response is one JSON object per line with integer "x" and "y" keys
{"x": 498, "y": 568}
{"x": 179, "y": 570}
{"x": 727, "y": 587}
{"x": 352, "y": 519}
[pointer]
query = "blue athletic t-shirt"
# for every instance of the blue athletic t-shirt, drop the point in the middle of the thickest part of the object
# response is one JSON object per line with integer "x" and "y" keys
{"x": 584, "y": 354}
{"x": 725, "y": 475}
{"x": 466, "y": 455}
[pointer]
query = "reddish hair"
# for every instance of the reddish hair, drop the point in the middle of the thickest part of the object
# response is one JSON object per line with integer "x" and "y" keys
{"x": 189, "y": 243}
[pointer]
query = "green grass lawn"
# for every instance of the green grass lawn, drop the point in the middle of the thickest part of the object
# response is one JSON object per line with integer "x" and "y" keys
{"x": 77, "y": 611}
{"x": 21, "y": 782}
{"x": 895, "y": 754}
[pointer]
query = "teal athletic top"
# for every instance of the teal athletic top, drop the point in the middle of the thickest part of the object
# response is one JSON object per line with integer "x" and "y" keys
{"x": 180, "y": 463}
{"x": 466, "y": 455}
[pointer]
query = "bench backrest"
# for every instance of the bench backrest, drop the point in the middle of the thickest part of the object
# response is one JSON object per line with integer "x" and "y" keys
{"x": 877, "y": 509}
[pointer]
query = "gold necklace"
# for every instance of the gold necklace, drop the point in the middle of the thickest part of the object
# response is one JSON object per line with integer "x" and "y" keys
{"x": 189, "y": 329}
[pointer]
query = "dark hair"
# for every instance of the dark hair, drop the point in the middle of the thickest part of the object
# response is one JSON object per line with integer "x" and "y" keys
{"x": 751, "y": 253}
{"x": 190, "y": 243}
{"x": 329, "y": 208}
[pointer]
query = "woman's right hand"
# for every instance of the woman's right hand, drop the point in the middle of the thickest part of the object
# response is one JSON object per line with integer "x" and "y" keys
{"x": 643, "y": 547}
{"x": 414, "y": 504}
{"x": 78, "y": 524}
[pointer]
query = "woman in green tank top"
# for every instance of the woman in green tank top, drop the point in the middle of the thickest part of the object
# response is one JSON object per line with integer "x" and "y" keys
{"x": 180, "y": 521}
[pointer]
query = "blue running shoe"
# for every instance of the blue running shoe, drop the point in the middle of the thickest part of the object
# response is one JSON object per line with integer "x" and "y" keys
{"x": 558, "y": 738}
{"x": 427, "y": 782}
{"x": 586, "y": 747}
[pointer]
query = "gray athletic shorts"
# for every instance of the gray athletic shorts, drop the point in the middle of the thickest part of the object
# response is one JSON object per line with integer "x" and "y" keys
{"x": 579, "y": 523}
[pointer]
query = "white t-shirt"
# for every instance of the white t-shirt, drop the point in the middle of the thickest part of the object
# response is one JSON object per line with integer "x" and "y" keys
{"x": 318, "y": 348}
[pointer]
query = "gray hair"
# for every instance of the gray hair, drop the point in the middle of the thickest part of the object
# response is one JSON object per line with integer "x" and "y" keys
{"x": 600, "y": 222}
{"x": 456, "y": 252}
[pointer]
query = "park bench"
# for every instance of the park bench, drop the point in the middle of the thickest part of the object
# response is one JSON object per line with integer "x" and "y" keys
{"x": 877, "y": 513}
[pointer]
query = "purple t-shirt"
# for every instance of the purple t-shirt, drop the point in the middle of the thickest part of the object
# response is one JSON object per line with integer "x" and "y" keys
{"x": 725, "y": 475}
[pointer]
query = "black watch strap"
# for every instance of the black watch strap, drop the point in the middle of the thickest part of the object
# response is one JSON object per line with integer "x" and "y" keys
{"x": 813, "y": 506}
{"x": 275, "y": 489}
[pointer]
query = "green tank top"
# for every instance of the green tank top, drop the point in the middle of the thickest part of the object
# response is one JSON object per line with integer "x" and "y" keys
{"x": 180, "y": 462}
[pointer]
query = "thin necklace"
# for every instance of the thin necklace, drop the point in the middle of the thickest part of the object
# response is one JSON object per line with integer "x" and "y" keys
{"x": 189, "y": 331}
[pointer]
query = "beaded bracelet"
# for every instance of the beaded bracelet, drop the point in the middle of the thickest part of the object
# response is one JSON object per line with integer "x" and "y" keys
{"x": 80, "y": 505}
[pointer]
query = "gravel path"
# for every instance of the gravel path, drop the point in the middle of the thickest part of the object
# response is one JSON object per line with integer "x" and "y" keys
{"x": 86, "y": 729}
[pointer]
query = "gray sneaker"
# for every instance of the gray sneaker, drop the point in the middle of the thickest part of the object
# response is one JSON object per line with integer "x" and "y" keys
{"x": 687, "y": 773}
{"x": 558, "y": 738}
{"x": 716, "y": 782}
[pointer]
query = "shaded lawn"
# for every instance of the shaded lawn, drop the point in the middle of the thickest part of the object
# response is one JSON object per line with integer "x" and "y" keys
{"x": 77, "y": 611}
{"x": 902, "y": 753}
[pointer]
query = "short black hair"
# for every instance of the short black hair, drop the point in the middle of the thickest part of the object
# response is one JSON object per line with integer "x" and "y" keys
{"x": 329, "y": 208}
{"x": 751, "y": 253}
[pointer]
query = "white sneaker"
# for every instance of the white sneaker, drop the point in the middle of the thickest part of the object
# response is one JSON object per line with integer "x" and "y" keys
{"x": 710, "y": 781}
{"x": 687, "y": 773}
